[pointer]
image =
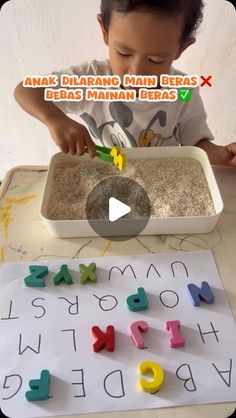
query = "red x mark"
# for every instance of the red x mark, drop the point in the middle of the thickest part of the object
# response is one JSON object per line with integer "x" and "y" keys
{"x": 206, "y": 80}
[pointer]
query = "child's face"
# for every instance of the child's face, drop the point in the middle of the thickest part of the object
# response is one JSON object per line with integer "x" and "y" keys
{"x": 141, "y": 43}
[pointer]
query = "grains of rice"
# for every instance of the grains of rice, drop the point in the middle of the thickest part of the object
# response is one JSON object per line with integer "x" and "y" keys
{"x": 175, "y": 186}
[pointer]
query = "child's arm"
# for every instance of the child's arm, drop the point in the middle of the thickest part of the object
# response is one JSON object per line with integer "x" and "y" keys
{"x": 68, "y": 134}
{"x": 218, "y": 154}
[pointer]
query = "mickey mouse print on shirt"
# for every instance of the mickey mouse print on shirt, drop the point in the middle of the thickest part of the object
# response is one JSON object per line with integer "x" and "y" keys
{"x": 137, "y": 123}
{"x": 123, "y": 129}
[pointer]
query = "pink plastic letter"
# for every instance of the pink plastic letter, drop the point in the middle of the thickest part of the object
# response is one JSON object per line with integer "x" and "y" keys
{"x": 135, "y": 331}
{"x": 177, "y": 340}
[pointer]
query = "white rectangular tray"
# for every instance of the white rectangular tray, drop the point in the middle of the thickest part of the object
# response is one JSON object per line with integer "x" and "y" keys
{"x": 155, "y": 226}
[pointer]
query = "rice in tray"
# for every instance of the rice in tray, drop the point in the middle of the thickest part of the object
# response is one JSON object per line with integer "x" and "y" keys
{"x": 175, "y": 186}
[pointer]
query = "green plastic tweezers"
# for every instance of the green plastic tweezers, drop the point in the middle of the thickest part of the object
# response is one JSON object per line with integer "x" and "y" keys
{"x": 111, "y": 155}
{"x": 103, "y": 153}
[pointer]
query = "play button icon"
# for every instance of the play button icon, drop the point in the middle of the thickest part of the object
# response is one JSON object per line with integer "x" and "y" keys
{"x": 117, "y": 209}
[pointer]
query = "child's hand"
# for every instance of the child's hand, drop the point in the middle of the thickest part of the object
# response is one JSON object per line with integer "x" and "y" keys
{"x": 231, "y": 154}
{"x": 71, "y": 136}
{"x": 219, "y": 154}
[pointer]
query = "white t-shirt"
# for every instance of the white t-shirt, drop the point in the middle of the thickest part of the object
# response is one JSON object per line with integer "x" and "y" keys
{"x": 139, "y": 123}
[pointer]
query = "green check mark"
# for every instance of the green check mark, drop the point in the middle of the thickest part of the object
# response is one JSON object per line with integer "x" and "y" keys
{"x": 184, "y": 95}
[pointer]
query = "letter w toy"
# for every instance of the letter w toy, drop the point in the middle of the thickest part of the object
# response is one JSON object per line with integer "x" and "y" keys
{"x": 111, "y": 155}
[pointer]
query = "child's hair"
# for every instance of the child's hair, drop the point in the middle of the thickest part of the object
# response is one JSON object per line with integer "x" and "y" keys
{"x": 191, "y": 9}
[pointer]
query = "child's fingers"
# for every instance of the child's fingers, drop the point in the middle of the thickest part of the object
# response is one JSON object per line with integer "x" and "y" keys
{"x": 72, "y": 147}
{"x": 64, "y": 147}
{"x": 231, "y": 157}
{"x": 80, "y": 149}
{"x": 233, "y": 162}
{"x": 232, "y": 148}
{"x": 90, "y": 146}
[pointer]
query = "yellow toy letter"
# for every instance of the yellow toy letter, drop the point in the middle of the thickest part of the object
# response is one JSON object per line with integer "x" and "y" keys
{"x": 119, "y": 159}
{"x": 154, "y": 385}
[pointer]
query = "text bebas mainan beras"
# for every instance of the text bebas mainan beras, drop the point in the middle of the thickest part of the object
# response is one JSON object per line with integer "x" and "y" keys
{"x": 110, "y": 88}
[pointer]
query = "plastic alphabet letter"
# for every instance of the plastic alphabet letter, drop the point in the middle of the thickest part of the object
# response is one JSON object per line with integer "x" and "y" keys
{"x": 158, "y": 376}
{"x": 135, "y": 331}
{"x": 198, "y": 294}
{"x": 138, "y": 301}
{"x": 119, "y": 159}
{"x": 36, "y": 277}
{"x": 63, "y": 275}
{"x": 177, "y": 340}
{"x": 39, "y": 387}
{"x": 104, "y": 339}
{"x": 88, "y": 273}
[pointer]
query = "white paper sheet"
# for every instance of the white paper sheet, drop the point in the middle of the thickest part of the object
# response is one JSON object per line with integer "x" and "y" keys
{"x": 56, "y": 322}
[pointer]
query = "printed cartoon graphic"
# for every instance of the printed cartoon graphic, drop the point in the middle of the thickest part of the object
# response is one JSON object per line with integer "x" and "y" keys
{"x": 115, "y": 132}
{"x": 148, "y": 138}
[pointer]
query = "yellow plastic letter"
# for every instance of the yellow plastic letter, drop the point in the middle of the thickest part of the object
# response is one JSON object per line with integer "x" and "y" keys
{"x": 119, "y": 159}
{"x": 154, "y": 385}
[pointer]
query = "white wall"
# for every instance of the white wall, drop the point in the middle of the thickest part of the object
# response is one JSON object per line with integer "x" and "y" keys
{"x": 39, "y": 36}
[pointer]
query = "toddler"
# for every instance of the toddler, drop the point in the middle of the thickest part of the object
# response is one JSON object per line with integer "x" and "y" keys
{"x": 144, "y": 37}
